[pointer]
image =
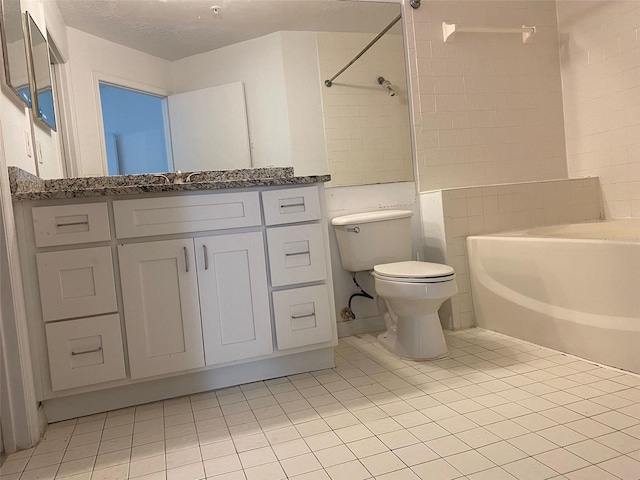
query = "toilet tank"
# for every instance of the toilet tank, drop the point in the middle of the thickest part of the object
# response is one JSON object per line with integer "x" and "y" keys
{"x": 373, "y": 238}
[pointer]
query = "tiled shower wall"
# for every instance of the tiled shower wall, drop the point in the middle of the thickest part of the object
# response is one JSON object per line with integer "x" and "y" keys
{"x": 487, "y": 108}
{"x": 600, "y": 56}
{"x": 366, "y": 130}
{"x": 491, "y": 209}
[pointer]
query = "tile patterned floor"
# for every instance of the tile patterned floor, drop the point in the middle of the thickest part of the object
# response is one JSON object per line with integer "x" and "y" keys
{"x": 497, "y": 409}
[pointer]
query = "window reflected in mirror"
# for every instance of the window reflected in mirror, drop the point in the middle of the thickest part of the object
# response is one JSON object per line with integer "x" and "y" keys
{"x": 14, "y": 51}
{"x": 134, "y": 126}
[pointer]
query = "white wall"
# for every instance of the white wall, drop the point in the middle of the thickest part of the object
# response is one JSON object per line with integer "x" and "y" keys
{"x": 258, "y": 64}
{"x": 92, "y": 59}
{"x": 600, "y": 57}
{"x": 17, "y": 128}
{"x": 304, "y": 102}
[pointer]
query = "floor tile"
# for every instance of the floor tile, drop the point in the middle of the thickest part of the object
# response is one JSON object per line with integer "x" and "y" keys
{"x": 561, "y": 460}
{"x": 592, "y": 451}
{"x": 529, "y": 469}
{"x": 470, "y": 462}
{"x": 502, "y": 453}
{"x": 334, "y": 455}
{"x": 622, "y": 467}
{"x": 290, "y": 449}
{"x": 300, "y": 464}
{"x": 496, "y": 409}
{"x": 353, "y": 470}
{"x": 436, "y": 470}
{"x": 415, "y": 454}
{"x": 382, "y": 463}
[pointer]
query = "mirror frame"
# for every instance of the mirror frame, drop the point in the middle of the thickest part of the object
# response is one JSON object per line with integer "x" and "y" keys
{"x": 32, "y": 30}
{"x": 5, "y": 56}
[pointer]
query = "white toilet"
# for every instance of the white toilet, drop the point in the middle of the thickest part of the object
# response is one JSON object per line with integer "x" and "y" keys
{"x": 409, "y": 292}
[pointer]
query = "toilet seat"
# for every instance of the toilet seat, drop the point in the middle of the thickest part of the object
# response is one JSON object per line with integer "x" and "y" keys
{"x": 414, "y": 272}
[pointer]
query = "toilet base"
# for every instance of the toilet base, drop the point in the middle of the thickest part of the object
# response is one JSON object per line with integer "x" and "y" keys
{"x": 417, "y": 338}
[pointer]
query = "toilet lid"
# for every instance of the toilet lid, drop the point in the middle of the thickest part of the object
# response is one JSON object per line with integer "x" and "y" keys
{"x": 413, "y": 270}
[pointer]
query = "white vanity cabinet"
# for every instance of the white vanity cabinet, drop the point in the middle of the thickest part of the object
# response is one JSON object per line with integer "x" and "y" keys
{"x": 298, "y": 256}
{"x": 179, "y": 295}
{"x": 77, "y": 289}
{"x": 133, "y": 299}
{"x": 161, "y": 307}
{"x": 234, "y": 297}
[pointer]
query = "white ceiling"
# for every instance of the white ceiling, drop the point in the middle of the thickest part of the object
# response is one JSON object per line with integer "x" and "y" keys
{"x": 173, "y": 29}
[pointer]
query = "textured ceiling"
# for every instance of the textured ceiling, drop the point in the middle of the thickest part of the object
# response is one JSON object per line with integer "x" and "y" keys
{"x": 174, "y": 29}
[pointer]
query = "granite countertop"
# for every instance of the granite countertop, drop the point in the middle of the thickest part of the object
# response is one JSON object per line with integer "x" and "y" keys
{"x": 25, "y": 186}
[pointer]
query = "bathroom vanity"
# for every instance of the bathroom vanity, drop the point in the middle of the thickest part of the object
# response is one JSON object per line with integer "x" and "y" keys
{"x": 146, "y": 287}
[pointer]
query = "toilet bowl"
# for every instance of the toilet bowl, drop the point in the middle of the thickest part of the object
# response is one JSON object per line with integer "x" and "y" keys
{"x": 409, "y": 296}
{"x": 409, "y": 292}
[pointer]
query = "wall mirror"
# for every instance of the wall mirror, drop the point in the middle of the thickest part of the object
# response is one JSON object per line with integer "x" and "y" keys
{"x": 262, "y": 62}
{"x": 14, "y": 52}
{"x": 42, "y": 91}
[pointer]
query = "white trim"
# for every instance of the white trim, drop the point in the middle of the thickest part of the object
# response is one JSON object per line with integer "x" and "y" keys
{"x": 63, "y": 408}
{"x": 19, "y": 411}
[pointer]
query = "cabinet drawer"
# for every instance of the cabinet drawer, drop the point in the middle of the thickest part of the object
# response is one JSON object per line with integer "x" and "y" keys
{"x": 71, "y": 224}
{"x": 85, "y": 352}
{"x": 76, "y": 283}
{"x": 291, "y": 205}
{"x": 302, "y": 317}
{"x": 296, "y": 254}
{"x": 193, "y": 213}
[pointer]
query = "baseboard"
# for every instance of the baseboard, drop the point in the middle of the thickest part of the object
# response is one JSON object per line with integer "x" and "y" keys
{"x": 63, "y": 408}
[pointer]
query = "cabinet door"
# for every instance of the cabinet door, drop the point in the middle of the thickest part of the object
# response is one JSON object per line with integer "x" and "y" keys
{"x": 162, "y": 315}
{"x": 232, "y": 280}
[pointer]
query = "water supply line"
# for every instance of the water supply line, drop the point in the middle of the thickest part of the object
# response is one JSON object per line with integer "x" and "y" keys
{"x": 347, "y": 313}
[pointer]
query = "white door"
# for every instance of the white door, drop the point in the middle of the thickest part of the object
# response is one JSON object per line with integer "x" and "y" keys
{"x": 161, "y": 310}
{"x": 232, "y": 279}
{"x": 209, "y": 129}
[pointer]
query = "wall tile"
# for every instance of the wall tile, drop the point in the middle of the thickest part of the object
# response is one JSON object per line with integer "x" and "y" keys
{"x": 600, "y": 55}
{"x": 367, "y": 131}
{"x": 501, "y": 208}
{"x": 491, "y": 107}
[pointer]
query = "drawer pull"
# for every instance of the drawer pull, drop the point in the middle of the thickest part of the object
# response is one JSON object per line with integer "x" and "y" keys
{"x": 186, "y": 259}
{"x": 206, "y": 257}
{"x": 299, "y": 253}
{"x": 296, "y": 317}
{"x": 72, "y": 224}
{"x": 293, "y": 205}
{"x": 95, "y": 350}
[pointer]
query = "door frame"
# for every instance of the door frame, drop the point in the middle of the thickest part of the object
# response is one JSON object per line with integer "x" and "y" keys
{"x": 19, "y": 406}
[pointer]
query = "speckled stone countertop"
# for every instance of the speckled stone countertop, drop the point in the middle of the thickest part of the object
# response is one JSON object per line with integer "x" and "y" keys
{"x": 25, "y": 186}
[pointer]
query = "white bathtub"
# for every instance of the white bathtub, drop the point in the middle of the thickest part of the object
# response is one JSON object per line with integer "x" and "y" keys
{"x": 573, "y": 288}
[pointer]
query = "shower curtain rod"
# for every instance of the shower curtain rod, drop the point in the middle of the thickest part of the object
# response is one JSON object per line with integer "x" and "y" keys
{"x": 329, "y": 82}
